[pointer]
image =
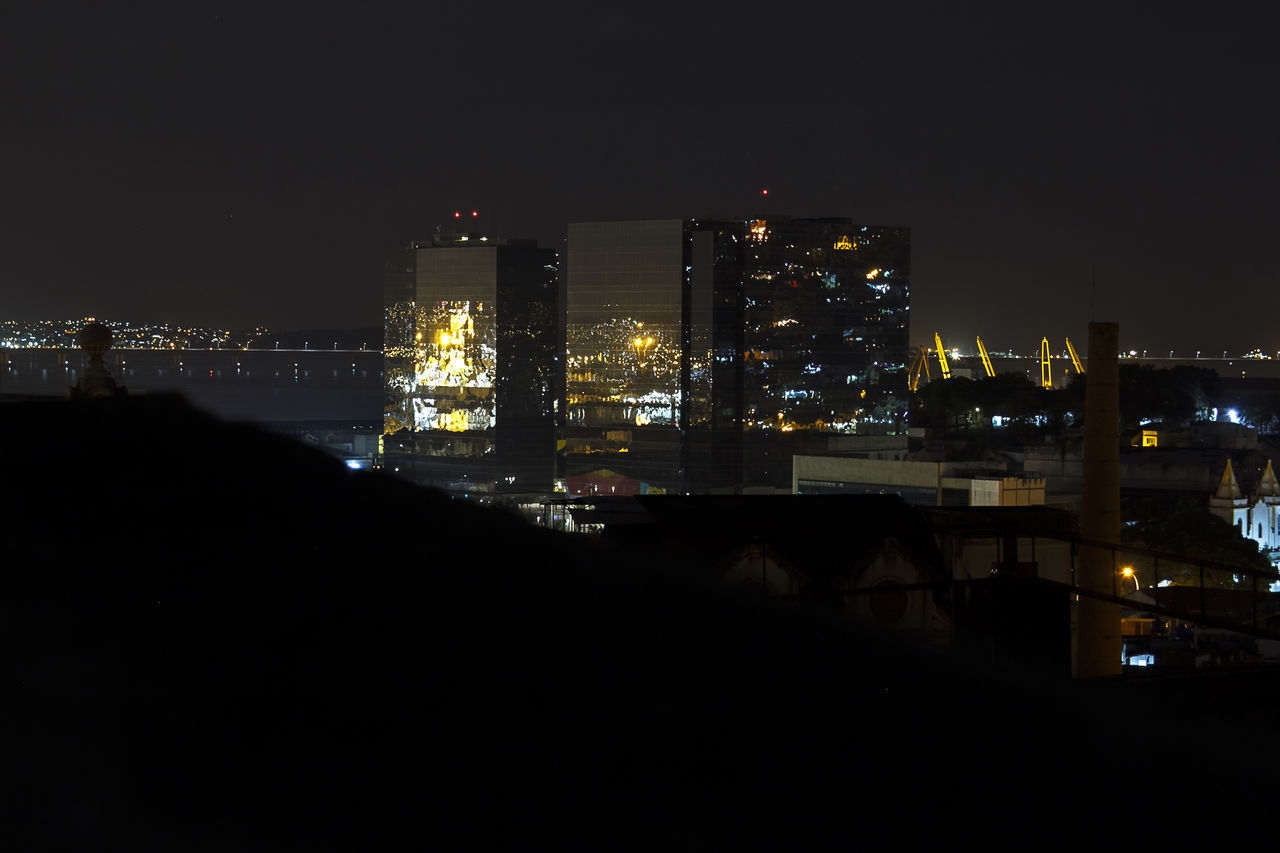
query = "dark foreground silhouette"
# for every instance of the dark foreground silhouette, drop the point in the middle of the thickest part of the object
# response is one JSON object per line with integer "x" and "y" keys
{"x": 223, "y": 640}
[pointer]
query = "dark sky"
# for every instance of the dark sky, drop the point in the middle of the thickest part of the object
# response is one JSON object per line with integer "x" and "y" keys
{"x": 217, "y": 164}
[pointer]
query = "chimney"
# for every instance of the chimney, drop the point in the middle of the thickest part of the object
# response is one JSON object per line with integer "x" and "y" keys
{"x": 1098, "y": 623}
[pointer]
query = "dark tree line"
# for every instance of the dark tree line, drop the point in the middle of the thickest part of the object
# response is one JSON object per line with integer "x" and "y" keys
{"x": 1175, "y": 397}
{"x": 963, "y": 403}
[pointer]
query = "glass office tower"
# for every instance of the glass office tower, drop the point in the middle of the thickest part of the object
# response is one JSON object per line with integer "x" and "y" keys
{"x": 703, "y": 354}
{"x": 469, "y": 364}
{"x": 825, "y": 337}
{"x": 625, "y": 355}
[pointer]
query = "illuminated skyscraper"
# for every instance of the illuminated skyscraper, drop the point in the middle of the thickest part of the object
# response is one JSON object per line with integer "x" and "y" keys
{"x": 702, "y": 354}
{"x": 470, "y": 354}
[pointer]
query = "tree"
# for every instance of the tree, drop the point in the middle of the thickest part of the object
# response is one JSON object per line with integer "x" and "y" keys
{"x": 1263, "y": 413}
{"x": 1180, "y": 525}
{"x": 1149, "y": 395}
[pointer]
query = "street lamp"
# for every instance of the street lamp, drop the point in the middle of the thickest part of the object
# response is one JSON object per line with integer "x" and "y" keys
{"x": 1127, "y": 571}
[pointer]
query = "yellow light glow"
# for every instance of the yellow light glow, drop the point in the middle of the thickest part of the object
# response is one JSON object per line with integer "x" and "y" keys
{"x": 871, "y": 275}
{"x": 844, "y": 243}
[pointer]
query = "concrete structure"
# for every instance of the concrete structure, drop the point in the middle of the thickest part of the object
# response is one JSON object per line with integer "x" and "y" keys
{"x": 919, "y": 483}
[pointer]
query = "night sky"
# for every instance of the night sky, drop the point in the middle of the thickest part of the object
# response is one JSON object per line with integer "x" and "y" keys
{"x": 218, "y": 164}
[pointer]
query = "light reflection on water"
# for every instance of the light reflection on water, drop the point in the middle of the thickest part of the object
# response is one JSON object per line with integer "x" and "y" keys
{"x": 257, "y": 385}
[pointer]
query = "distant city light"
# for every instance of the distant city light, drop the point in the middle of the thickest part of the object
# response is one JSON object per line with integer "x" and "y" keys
{"x": 61, "y": 334}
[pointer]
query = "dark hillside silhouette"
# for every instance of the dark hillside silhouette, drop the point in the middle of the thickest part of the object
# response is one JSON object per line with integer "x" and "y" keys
{"x": 225, "y": 640}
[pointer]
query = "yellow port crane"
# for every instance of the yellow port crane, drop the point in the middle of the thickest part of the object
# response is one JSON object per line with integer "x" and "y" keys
{"x": 1046, "y": 373}
{"x": 1075, "y": 359}
{"x": 986, "y": 360}
{"x": 942, "y": 356}
{"x": 920, "y": 361}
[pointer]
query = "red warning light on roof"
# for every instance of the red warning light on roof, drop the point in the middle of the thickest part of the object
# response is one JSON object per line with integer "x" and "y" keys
{"x": 457, "y": 214}
{"x": 764, "y": 192}
{"x": 475, "y": 213}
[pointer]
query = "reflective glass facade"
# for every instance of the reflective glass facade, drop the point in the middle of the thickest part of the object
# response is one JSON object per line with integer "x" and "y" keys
{"x": 624, "y": 352}
{"x": 702, "y": 354}
{"x": 825, "y": 315}
{"x": 470, "y": 349}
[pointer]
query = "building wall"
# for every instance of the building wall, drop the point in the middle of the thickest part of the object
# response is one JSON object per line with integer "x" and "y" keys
{"x": 912, "y": 611}
{"x": 1021, "y": 491}
{"x": 920, "y": 483}
{"x": 880, "y": 472}
{"x": 984, "y": 493}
